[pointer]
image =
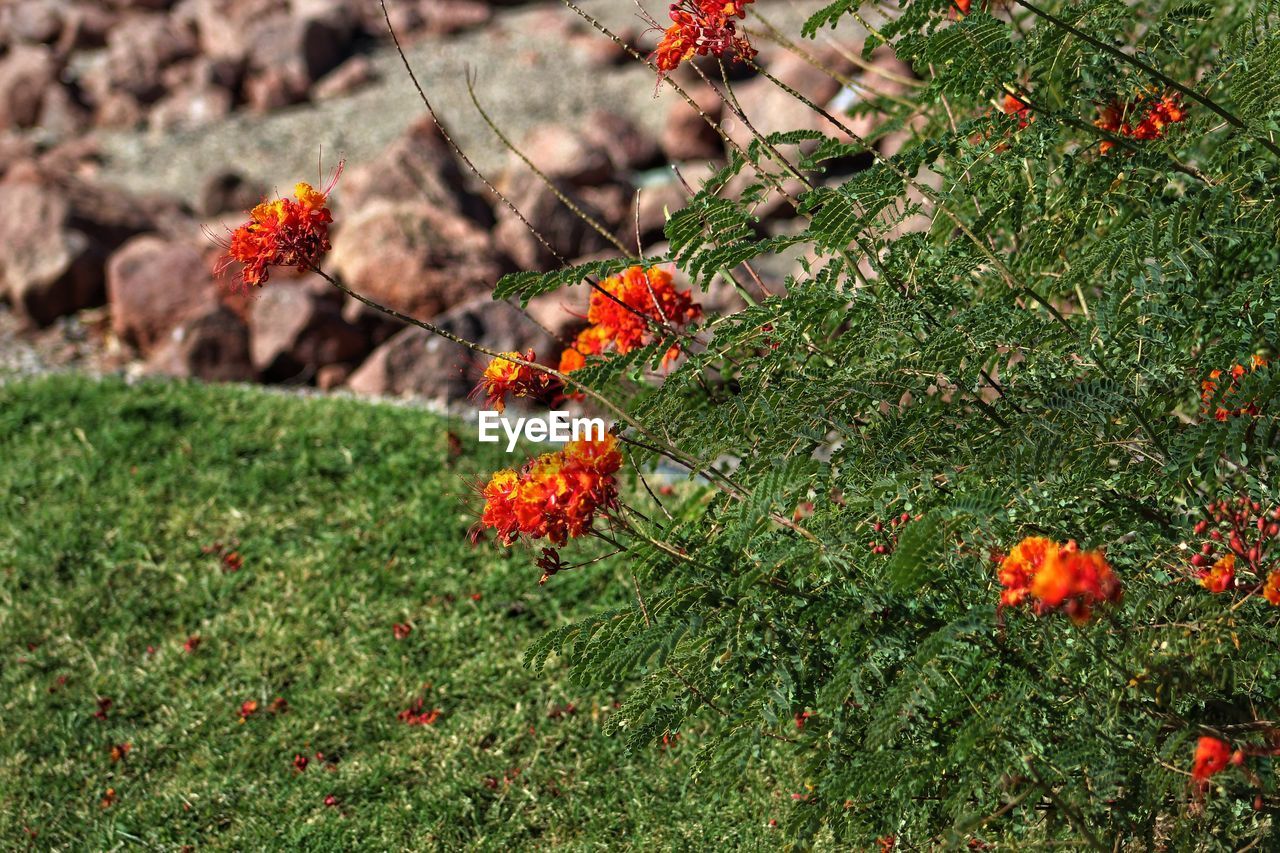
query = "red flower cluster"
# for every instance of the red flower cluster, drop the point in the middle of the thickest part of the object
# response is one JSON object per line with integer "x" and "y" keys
{"x": 282, "y": 233}
{"x": 1239, "y": 532}
{"x": 1143, "y": 118}
{"x": 1018, "y": 109}
{"x": 556, "y": 495}
{"x": 503, "y": 377}
{"x": 1052, "y": 576}
{"x": 622, "y": 322}
{"x": 1209, "y": 390}
{"x": 1212, "y": 757}
{"x": 702, "y": 27}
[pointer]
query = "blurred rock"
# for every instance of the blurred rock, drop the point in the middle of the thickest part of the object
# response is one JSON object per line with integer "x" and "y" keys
{"x": 655, "y": 203}
{"x": 228, "y": 192}
{"x": 14, "y": 149}
{"x": 602, "y": 51}
{"x": 563, "y": 153}
{"x": 332, "y": 376}
{"x": 227, "y": 27}
{"x": 419, "y": 166}
{"x": 348, "y": 77}
{"x": 139, "y": 49}
{"x": 414, "y": 257}
{"x": 628, "y": 146}
{"x": 63, "y": 114}
{"x": 26, "y": 75}
{"x": 686, "y": 135}
{"x": 420, "y": 363}
{"x": 153, "y": 285}
{"x": 190, "y": 107}
{"x": 614, "y": 202}
{"x": 563, "y": 230}
{"x": 33, "y": 21}
{"x": 445, "y": 17}
{"x": 303, "y": 47}
{"x": 212, "y": 345}
{"x": 57, "y": 232}
{"x": 272, "y": 89}
{"x": 772, "y": 110}
{"x": 85, "y": 25}
{"x": 118, "y": 111}
{"x": 296, "y": 327}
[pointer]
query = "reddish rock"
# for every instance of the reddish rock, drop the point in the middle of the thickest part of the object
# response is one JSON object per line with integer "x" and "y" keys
{"x": 139, "y": 49}
{"x": 772, "y": 110}
{"x": 14, "y": 149}
{"x": 212, "y": 345}
{"x": 63, "y": 114}
{"x": 57, "y": 232}
{"x": 655, "y": 202}
{"x": 419, "y": 166}
{"x": 416, "y": 362}
{"x": 414, "y": 257}
{"x": 628, "y": 146}
{"x": 563, "y": 153}
{"x": 562, "y": 229}
{"x": 352, "y": 75}
{"x": 269, "y": 90}
{"x": 445, "y": 17}
{"x": 190, "y": 107}
{"x": 34, "y": 21}
{"x": 297, "y": 327}
{"x": 118, "y": 111}
{"x": 226, "y": 27}
{"x": 304, "y": 47}
{"x": 228, "y": 192}
{"x": 85, "y": 25}
{"x": 604, "y": 52}
{"x": 153, "y": 285}
{"x": 26, "y": 74}
{"x": 686, "y": 134}
{"x": 614, "y": 202}
{"x": 332, "y": 376}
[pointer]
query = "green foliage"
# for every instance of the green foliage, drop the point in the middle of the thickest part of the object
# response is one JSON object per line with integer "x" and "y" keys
{"x": 998, "y": 331}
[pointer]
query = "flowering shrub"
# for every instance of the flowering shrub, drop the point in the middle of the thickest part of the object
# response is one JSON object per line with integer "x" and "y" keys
{"x": 998, "y": 334}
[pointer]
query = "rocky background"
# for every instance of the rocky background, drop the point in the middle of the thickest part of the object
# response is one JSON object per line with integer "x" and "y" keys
{"x": 132, "y": 130}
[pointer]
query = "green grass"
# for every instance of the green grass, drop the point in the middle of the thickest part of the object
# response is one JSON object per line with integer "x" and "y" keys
{"x": 349, "y": 517}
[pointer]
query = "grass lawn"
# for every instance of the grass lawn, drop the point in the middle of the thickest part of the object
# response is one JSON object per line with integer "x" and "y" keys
{"x": 118, "y": 506}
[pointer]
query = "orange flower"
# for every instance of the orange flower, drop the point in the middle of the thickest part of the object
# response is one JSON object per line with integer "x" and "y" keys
{"x": 1016, "y": 107}
{"x": 1209, "y": 390}
{"x": 1212, "y": 756}
{"x": 624, "y": 310}
{"x": 499, "y": 507}
{"x": 1271, "y": 591}
{"x": 699, "y": 28}
{"x": 557, "y": 495}
{"x": 1220, "y": 577}
{"x": 282, "y": 233}
{"x": 503, "y": 377}
{"x": 1054, "y": 576}
{"x": 1020, "y": 568}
